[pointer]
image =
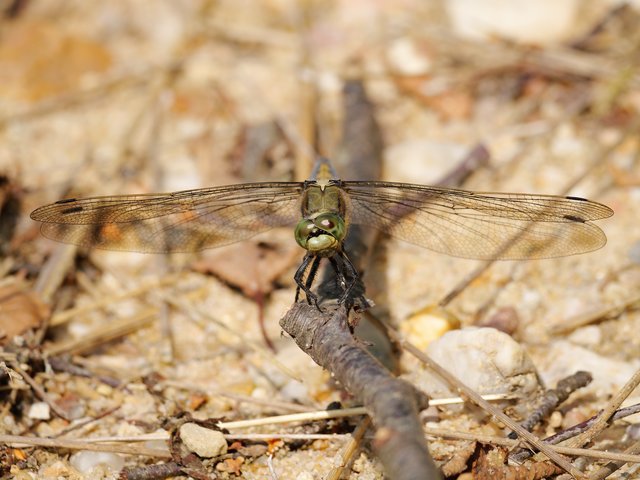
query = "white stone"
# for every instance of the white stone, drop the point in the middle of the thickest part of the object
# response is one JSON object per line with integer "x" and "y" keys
{"x": 485, "y": 359}
{"x": 39, "y": 411}
{"x": 202, "y": 441}
{"x": 541, "y": 21}
{"x": 86, "y": 462}
{"x": 406, "y": 59}
{"x": 586, "y": 336}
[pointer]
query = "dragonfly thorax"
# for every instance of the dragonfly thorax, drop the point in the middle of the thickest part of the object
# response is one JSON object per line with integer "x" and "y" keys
{"x": 321, "y": 233}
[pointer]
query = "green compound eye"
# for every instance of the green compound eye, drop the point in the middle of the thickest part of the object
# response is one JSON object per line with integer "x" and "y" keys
{"x": 321, "y": 234}
{"x": 303, "y": 231}
{"x": 331, "y": 223}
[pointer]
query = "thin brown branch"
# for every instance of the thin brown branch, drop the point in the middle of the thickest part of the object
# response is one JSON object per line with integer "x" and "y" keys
{"x": 507, "y": 442}
{"x": 595, "y": 315}
{"x": 152, "y": 472}
{"x": 554, "y": 397}
{"x": 392, "y": 403}
{"x": 350, "y": 449}
{"x": 606, "y": 470}
{"x": 39, "y": 391}
{"x": 106, "y": 333}
{"x": 605, "y": 416}
{"x": 576, "y": 430}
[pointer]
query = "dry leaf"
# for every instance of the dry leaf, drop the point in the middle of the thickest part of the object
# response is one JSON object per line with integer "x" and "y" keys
{"x": 252, "y": 267}
{"x": 20, "y": 310}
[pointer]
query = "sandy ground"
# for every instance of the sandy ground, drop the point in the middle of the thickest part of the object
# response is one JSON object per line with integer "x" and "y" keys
{"x": 103, "y": 98}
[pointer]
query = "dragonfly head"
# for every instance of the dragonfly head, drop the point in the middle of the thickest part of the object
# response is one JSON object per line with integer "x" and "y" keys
{"x": 322, "y": 233}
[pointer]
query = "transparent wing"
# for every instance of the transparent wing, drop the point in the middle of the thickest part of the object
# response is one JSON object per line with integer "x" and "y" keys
{"x": 478, "y": 225}
{"x": 184, "y": 221}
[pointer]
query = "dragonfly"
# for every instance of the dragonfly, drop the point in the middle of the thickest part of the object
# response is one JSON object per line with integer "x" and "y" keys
{"x": 460, "y": 223}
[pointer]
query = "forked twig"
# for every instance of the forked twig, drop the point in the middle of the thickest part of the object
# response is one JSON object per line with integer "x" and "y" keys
{"x": 605, "y": 416}
{"x": 476, "y": 398}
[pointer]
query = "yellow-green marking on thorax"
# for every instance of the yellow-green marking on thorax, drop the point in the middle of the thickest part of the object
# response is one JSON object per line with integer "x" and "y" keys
{"x": 323, "y": 227}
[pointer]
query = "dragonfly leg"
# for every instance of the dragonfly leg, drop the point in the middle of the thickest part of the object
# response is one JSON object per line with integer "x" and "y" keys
{"x": 338, "y": 268}
{"x": 299, "y": 275}
{"x": 310, "y": 262}
{"x": 352, "y": 274}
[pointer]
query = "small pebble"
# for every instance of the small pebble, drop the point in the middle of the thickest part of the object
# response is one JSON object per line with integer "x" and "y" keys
{"x": 86, "y": 462}
{"x": 17, "y": 474}
{"x": 57, "y": 469}
{"x": 587, "y": 336}
{"x": 573, "y": 417}
{"x": 39, "y": 411}
{"x": 204, "y": 442}
{"x": 406, "y": 59}
{"x": 427, "y": 325}
{"x": 541, "y": 22}
{"x": 360, "y": 464}
{"x": 555, "y": 420}
{"x": 633, "y": 431}
{"x": 104, "y": 390}
{"x": 505, "y": 319}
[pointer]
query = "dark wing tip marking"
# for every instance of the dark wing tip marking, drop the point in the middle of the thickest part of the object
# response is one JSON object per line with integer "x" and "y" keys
{"x": 575, "y": 218}
{"x": 66, "y": 200}
{"x": 75, "y": 209}
{"x": 598, "y": 210}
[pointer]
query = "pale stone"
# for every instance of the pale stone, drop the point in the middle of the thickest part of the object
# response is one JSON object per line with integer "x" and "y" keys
{"x": 485, "y": 359}
{"x": 405, "y": 58}
{"x": 202, "y": 441}
{"x": 543, "y": 21}
{"x": 39, "y": 411}
{"x": 86, "y": 462}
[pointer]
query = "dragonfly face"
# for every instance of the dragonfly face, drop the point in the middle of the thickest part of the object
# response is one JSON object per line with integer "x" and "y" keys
{"x": 323, "y": 227}
{"x": 461, "y": 223}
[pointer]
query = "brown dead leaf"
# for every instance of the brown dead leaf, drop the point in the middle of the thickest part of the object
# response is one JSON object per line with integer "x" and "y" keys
{"x": 250, "y": 266}
{"x": 20, "y": 310}
{"x": 39, "y": 59}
